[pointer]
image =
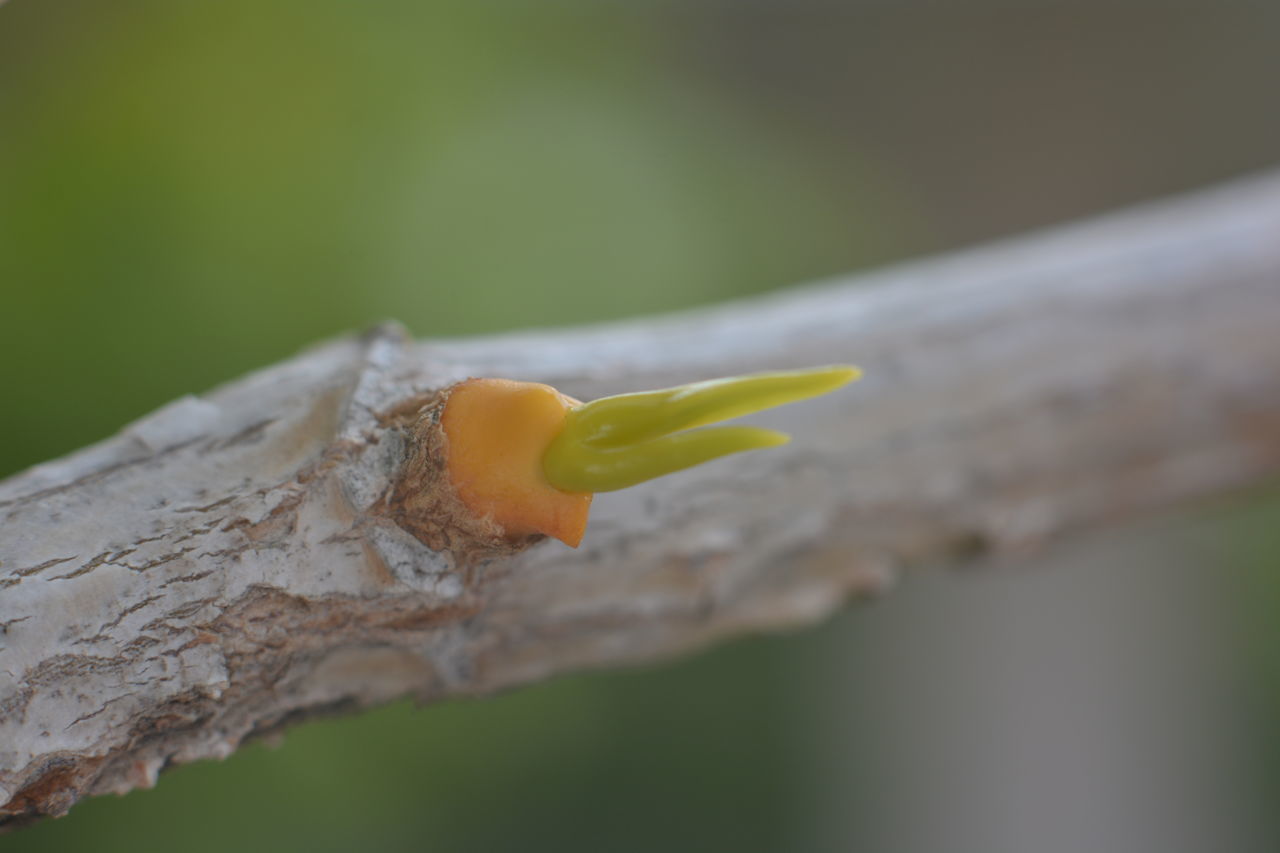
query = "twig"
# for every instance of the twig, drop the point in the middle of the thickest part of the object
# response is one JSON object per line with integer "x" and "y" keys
{"x": 232, "y": 563}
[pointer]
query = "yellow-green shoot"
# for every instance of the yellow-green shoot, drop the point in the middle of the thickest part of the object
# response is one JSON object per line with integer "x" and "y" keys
{"x": 619, "y": 441}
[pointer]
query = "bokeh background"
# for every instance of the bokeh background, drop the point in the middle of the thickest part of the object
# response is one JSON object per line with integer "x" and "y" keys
{"x": 192, "y": 189}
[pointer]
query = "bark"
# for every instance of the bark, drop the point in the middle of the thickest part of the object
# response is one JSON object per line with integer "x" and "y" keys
{"x": 234, "y": 562}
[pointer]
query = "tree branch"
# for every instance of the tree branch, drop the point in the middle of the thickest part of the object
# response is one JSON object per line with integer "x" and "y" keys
{"x": 231, "y": 563}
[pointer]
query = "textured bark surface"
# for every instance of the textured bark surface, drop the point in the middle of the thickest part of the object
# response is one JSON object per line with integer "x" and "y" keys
{"x": 237, "y": 561}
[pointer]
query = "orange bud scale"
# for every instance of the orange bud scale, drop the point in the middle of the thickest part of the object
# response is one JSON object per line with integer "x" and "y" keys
{"x": 497, "y": 430}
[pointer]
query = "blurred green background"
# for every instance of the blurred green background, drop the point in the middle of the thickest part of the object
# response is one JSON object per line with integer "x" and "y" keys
{"x": 190, "y": 190}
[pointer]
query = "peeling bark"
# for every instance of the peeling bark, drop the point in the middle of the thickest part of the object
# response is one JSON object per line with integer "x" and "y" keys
{"x": 240, "y": 560}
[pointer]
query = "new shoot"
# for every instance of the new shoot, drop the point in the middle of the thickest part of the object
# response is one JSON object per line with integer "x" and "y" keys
{"x": 530, "y": 458}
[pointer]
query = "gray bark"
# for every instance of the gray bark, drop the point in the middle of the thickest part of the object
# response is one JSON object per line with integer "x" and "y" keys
{"x": 229, "y": 564}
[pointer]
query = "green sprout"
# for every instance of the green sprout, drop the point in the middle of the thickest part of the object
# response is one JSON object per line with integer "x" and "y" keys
{"x": 619, "y": 441}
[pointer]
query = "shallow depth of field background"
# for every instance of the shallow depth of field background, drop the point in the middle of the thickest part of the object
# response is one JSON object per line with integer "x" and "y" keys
{"x": 190, "y": 190}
